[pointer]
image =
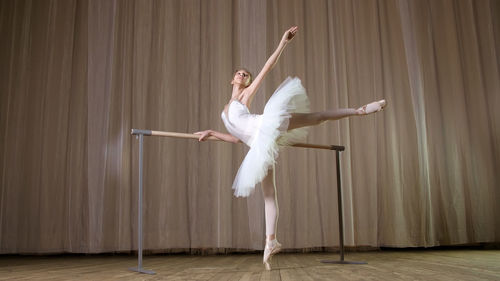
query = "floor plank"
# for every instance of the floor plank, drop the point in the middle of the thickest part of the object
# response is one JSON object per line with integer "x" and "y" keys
{"x": 382, "y": 265}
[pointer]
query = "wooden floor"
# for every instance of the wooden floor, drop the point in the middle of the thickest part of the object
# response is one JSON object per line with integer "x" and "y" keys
{"x": 382, "y": 265}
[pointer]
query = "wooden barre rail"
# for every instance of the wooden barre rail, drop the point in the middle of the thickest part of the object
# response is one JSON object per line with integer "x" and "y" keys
{"x": 193, "y": 136}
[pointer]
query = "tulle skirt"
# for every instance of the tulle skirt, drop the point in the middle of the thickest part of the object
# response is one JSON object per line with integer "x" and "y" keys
{"x": 289, "y": 97}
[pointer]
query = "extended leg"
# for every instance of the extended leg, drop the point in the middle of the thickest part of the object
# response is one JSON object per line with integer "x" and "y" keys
{"x": 299, "y": 120}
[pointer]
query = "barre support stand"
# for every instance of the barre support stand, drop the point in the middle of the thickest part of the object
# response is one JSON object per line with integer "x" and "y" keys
{"x": 341, "y": 216}
{"x": 139, "y": 268}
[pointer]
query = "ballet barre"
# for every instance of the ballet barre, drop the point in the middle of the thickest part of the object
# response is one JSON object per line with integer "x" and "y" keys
{"x": 140, "y": 135}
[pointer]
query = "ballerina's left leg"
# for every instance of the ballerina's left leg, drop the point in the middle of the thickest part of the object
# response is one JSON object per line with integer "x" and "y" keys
{"x": 299, "y": 120}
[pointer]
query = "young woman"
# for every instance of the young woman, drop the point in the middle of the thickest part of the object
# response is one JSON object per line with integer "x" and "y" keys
{"x": 284, "y": 121}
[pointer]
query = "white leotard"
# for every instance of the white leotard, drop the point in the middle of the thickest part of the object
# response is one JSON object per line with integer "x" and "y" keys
{"x": 263, "y": 133}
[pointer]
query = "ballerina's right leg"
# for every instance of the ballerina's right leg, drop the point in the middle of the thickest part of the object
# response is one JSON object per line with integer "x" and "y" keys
{"x": 271, "y": 211}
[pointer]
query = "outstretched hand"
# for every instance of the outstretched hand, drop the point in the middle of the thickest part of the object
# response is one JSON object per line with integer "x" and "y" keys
{"x": 289, "y": 34}
{"x": 204, "y": 135}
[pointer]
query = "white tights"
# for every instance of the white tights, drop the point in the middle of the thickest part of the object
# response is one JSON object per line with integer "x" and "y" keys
{"x": 270, "y": 202}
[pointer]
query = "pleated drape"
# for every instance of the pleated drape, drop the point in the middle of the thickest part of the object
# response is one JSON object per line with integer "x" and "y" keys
{"x": 76, "y": 76}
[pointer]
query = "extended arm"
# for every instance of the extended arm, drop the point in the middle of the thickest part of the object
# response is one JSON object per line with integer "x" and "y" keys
{"x": 223, "y": 137}
{"x": 270, "y": 63}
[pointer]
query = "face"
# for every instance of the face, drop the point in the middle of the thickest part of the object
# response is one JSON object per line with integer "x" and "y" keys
{"x": 241, "y": 77}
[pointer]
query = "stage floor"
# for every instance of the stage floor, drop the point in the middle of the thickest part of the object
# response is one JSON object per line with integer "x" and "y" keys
{"x": 382, "y": 265}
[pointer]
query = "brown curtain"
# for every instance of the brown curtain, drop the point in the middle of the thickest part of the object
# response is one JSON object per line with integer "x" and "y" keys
{"x": 76, "y": 76}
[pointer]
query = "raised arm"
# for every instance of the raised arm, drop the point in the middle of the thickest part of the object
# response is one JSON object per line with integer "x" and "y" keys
{"x": 224, "y": 137}
{"x": 250, "y": 91}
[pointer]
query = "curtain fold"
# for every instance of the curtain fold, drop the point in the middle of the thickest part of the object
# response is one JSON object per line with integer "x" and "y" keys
{"x": 76, "y": 76}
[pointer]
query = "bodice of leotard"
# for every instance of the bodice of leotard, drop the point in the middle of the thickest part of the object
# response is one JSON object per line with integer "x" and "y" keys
{"x": 240, "y": 122}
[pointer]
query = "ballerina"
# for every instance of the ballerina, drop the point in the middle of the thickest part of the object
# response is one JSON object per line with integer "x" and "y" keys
{"x": 284, "y": 121}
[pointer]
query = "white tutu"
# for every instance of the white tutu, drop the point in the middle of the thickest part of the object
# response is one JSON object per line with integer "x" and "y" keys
{"x": 268, "y": 131}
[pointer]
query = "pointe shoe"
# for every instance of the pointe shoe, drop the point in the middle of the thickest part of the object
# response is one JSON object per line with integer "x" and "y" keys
{"x": 373, "y": 107}
{"x": 272, "y": 248}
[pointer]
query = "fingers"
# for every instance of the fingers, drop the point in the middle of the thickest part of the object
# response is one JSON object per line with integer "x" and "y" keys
{"x": 201, "y": 138}
{"x": 203, "y": 135}
{"x": 291, "y": 32}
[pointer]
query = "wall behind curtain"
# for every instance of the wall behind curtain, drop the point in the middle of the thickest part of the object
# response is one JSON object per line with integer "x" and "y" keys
{"x": 76, "y": 76}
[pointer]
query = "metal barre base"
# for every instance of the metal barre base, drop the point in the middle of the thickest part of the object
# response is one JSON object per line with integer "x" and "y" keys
{"x": 343, "y": 262}
{"x": 142, "y": 270}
